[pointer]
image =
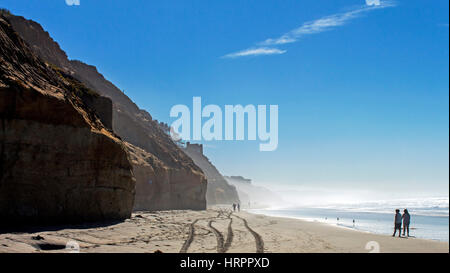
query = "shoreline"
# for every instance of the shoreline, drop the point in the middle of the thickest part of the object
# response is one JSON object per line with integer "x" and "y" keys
{"x": 212, "y": 231}
{"x": 311, "y": 220}
{"x": 355, "y": 240}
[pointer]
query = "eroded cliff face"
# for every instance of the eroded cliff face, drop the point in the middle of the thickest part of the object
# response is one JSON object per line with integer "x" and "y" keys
{"x": 164, "y": 187}
{"x": 177, "y": 183}
{"x": 58, "y": 161}
{"x": 219, "y": 190}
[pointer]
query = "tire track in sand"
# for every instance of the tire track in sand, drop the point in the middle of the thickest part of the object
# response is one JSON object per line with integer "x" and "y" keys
{"x": 190, "y": 238}
{"x": 258, "y": 239}
{"x": 219, "y": 237}
{"x": 229, "y": 235}
{"x": 221, "y": 246}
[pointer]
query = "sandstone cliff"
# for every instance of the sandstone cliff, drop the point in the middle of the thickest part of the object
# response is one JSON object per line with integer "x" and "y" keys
{"x": 58, "y": 162}
{"x": 163, "y": 187}
{"x": 171, "y": 173}
{"x": 219, "y": 190}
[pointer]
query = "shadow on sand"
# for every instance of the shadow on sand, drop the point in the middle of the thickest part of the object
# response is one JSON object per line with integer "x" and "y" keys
{"x": 54, "y": 227}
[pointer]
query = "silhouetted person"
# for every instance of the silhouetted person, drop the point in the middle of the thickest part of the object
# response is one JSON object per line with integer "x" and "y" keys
{"x": 406, "y": 220}
{"x": 353, "y": 222}
{"x": 239, "y": 207}
{"x": 234, "y": 207}
{"x": 397, "y": 223}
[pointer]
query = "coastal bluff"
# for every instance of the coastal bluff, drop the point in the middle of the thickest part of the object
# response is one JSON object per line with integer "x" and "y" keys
{"x": 59, "y": 161}
{"x": 219, "y": 190}
{"x": 253, "y": 195}
{"x": 166, "y": 178}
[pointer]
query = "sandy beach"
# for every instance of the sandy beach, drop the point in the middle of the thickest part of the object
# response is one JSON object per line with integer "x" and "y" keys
{"x": 211, "y": 231}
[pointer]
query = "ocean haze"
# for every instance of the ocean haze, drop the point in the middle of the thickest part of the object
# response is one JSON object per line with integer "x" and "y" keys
{"x": 319, "y": 196}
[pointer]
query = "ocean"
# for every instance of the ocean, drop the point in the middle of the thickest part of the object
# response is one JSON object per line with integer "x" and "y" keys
{"x": 429, "y": 217}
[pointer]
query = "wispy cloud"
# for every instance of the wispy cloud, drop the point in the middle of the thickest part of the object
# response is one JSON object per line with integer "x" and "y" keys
{"x": 255, "y": 52}
{"x": 324, "y": 24}
{"x": 312, "y": 27}
{"x": 373, "y": 2}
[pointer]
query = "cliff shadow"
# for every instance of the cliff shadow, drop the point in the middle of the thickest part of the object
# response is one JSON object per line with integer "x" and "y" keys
{"x": 35, "y": 228}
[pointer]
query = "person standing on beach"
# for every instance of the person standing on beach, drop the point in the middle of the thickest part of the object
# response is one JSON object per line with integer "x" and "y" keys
{"x": 234, "y": 207}
{"x": 239, "y": 206}
{"x": 397, "y": 223}
{"x": 406, "y": 220}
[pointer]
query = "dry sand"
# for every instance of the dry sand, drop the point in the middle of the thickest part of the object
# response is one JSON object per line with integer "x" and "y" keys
{"x": 212, "y": 231}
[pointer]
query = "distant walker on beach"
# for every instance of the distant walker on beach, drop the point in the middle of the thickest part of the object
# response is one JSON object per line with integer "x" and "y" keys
{"x": 406, "y": 220}
{"x": 397, "y": 223}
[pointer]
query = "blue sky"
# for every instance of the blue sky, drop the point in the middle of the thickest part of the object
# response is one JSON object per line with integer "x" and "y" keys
{"x": 363, "y": 92}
